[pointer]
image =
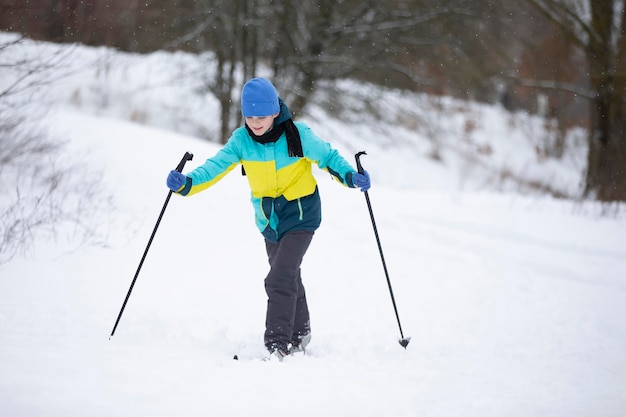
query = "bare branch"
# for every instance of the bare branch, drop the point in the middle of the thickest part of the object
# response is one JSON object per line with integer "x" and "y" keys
{"x": 551, "y": 85}
{"x": 568, "y": 18}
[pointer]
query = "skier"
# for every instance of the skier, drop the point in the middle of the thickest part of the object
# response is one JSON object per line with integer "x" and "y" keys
{"x": 276, "y": 154}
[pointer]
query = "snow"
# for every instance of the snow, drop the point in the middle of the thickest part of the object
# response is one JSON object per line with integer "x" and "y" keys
{"x": 514, "y": 303}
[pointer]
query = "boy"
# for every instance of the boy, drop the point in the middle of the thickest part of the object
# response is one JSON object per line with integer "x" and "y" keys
{"x": 277, "y": 154}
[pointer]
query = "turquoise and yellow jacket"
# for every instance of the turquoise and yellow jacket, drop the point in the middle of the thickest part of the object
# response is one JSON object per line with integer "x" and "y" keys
{"x": 284, "y": 191}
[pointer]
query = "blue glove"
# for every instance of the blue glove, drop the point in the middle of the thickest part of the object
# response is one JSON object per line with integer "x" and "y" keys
{"x": 361, "y": 181}
{"x": 175, "y": 180}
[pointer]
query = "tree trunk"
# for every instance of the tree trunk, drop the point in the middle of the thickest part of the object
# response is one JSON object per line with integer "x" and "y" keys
{"x": 606, "y": 169}
{"x": 221, "y": 90}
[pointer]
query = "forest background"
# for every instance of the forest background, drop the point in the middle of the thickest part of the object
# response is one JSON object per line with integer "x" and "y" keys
{"x": 561, "y": 59}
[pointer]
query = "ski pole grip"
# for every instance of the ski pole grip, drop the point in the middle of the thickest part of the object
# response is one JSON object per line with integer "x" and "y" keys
{"x": 359, "y": 167}
{"x": 187, "y": 157}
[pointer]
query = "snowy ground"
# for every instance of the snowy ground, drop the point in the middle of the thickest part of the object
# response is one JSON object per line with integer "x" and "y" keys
{"x": 515, "y": 304}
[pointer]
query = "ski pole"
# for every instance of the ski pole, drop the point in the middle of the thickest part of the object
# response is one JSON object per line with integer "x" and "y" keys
{"x": 403, "y": 341}
{"x": 187, "y": 157}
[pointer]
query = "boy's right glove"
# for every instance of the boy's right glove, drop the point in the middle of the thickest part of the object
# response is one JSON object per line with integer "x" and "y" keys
{"x": 176, "y": 180}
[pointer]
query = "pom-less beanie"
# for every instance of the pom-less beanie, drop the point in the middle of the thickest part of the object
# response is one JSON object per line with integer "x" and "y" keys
{"x": 259, "y": 98}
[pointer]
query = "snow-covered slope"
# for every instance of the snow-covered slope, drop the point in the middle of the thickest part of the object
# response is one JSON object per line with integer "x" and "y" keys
{"x": 514, "y": 304}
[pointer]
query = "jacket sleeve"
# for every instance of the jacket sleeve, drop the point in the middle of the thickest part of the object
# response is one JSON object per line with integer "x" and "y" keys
{"x": 325, "y": 156}
{"x": 213, "y": 169}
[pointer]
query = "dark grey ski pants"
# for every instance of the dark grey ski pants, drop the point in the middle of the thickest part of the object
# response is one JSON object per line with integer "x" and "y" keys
{"x": 287, "y": 310}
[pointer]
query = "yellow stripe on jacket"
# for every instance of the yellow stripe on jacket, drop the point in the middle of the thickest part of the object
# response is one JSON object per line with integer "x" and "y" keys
{"x": 292, "y": 181}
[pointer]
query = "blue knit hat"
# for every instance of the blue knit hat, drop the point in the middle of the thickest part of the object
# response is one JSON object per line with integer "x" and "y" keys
{"x": 259, "y": 98}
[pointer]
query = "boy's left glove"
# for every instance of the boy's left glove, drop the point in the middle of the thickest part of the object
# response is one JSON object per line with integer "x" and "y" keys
{"x": 176, "y": 180}
{"x": 361, "y": 181}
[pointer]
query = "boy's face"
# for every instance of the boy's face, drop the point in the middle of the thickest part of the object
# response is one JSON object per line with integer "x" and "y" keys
{"x": 260, "y": 124}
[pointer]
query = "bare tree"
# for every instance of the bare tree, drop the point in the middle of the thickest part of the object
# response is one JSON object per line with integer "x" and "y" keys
{"x": 427, "y": 45}
{"x": 303, "y": 43}
{"x": 598, "y": 29}
{"x": 38, "y": 190}
{"x": 383, "y": 42}
{"x": 228, "y": 28}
